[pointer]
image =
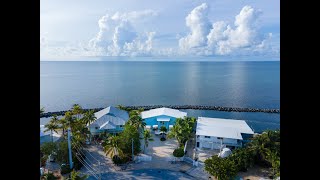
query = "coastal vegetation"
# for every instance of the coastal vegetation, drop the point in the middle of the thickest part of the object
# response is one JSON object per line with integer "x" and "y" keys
{"x": 178, "y": 152}
{"x": 221, "y": 168}
{"x": 146, "y": 137}
{"x": 263, "y": 150}
{"x": 183, "y": 129}
{"x": 119, "y": 147}
{"x": 76, "y": 119}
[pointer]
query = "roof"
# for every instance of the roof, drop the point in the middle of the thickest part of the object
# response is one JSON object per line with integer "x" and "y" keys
{"x": 163, "y": 111}
{"x": 109, "y": 118}
{"x": 112, "y": 111}
{"x": 226, "y": 128}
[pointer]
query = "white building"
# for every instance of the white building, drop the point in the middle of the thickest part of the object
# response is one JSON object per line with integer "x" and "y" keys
{"x": 110, "y": 119}
{"x": 216, "y": 133}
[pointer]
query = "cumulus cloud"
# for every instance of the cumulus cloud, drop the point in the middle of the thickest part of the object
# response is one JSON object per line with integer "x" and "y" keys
{"x": 118, "y": 37}
{"x": 199, "y": 25}
{"x": 221, "y": 38}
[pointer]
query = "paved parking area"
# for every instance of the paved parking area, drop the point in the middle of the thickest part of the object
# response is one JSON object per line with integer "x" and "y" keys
{"x": 205, "y": 154}
{"x": 161, "y": 149}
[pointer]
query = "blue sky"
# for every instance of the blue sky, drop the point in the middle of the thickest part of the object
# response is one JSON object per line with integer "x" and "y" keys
{"x": 248, "y": 29}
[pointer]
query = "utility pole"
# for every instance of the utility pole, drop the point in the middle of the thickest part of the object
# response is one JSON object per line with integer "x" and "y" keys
{"x": 132, "y": 149}
{"x": 70, "y": 150}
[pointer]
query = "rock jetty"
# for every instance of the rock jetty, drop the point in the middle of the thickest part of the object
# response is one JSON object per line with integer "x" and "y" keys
{"x": 196, "y": 107}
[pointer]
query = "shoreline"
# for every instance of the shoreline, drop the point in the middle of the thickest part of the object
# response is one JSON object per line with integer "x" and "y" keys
{"x": 194, "y": 107}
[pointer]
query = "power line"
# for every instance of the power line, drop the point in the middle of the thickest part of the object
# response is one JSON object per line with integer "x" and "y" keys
{"x": 79, "y": 151}
{"x": 88, "y": 152}
{"x": 83, "y": 153}
{"x": 91, "y": 172}
{"x": 86, "y": 161}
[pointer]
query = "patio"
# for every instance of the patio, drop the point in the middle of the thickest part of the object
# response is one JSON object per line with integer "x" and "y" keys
{"x": 160, "y": 150}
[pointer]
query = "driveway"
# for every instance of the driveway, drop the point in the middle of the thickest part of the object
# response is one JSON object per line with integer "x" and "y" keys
{"x": 161, "y": 150}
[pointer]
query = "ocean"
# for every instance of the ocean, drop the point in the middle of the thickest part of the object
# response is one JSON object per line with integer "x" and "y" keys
{"x": 94, "y": 84}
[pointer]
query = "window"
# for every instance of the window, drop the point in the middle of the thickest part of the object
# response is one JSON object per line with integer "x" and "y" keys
{"x": 162, "y": 122}
{"x": 206, "y": 136}
{"x": 198, "y": 136}
{"x": 198, "y": 144}
{"x": 121, "y": 126}
{"x": 219, "y": 138}
{"x": 96, "y": 127}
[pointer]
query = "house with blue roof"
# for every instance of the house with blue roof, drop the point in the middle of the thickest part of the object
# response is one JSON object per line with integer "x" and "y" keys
{"x": 110, "y": 119}
{"x": 155, "y": 118}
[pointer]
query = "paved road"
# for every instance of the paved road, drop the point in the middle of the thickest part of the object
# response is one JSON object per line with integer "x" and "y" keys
{"x": 156, "y": 174}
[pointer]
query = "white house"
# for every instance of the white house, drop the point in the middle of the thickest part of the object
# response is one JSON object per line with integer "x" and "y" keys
{"x": 216, "y": 133}
{"x": 110, "y": 119}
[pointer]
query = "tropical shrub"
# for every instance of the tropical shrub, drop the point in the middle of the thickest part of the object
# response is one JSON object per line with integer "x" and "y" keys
{"x": 76, "y": 163}
{"x": 163, "y": 129}
{"x": 128, "y": 134}
{"x": 117, "y": 160}
{"x": 75, "y": 176}
{"x": 221, "y": 168}
{"x": 179, "y": 152}
{"x": 242, "y": 158}
{"x": 183, "y": 129}
{"x": 48, "y": 147}
{"x": 65, "y": 169}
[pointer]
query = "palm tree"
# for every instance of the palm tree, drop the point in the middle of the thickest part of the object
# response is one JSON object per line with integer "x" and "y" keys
{"x": 136, "y": 120}
{"x": 63, "y": 124}
{"x": 55, "y": 119}
{"x": 243, "y": 158}
{"x": 77, "y": 110}
{"x": 263, "y": 143}
{"x": 112, "y": 147}
{"x": 89, "y": 117}
{"x": 147, "y": 137}
{"x": 41, "y": 111}
{"x": 51, "y": 127}
{"x": 69, "y": 119}
{"x": 182, "y": 130}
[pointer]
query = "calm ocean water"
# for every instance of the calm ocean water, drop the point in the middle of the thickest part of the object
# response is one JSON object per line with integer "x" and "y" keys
{"x": 102, "y": 83}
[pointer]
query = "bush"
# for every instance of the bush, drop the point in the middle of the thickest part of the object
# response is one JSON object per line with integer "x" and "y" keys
{"x": 243, "y": 159}
{"x": 118, "y": 160}
{"x": 76, "y": 163}
{"x": 162, "y": 139}
{"x": 44, "y": 160}
{"x": 221, "y": 168}
{"x": 179, "y": 152}
{"x": 65, "y": 169}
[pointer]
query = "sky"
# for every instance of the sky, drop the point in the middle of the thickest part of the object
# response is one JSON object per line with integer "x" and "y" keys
{"x": 224, "y": 29}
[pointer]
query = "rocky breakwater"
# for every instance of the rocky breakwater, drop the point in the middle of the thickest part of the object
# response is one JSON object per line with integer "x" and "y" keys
{"x": 199, "y": 107}
{"x": 196, "y": 107}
